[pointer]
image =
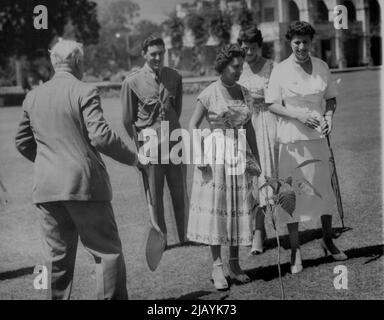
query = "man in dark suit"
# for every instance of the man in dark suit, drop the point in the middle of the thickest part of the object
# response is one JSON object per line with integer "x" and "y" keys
{"x": 150, "y": 96}
{"x": 62, "y": 131}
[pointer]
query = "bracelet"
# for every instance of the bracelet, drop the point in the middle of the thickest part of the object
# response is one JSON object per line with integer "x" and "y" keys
{"x": 328, "y": 114}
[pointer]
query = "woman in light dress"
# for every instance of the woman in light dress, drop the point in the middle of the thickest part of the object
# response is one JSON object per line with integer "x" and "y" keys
{"x": 255, "y": 77}
{"x": 303, "y": 94}
{"x": 222, "y": 202}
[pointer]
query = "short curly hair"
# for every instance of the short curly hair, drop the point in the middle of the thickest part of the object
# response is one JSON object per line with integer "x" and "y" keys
{"x": 299, "y": 28}
{"x": 225, "y": 56}
{"x": 250, "y": 33}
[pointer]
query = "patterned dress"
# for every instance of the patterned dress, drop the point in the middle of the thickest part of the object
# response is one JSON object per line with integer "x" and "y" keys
{"x": 221, "y": 205}
{"x": 264, "y": 123}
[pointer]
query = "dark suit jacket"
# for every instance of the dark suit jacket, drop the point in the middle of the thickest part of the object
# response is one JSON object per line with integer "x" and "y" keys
{"x": 62, "y": 131}
{"x": 139, "y": 94}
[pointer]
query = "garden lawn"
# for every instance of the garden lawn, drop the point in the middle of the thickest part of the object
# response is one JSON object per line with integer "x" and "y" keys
{"x": 184, "y": 272}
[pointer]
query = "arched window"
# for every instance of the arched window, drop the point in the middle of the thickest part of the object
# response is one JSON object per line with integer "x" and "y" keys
{"x": 294, "y": 14}
{"x": 321, "y": 11}
{"x": 374, "y": 12}
{"x": 351, "y": 10}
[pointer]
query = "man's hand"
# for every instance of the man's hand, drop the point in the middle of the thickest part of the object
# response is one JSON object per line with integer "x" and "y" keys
{"x": 144, "y": 161}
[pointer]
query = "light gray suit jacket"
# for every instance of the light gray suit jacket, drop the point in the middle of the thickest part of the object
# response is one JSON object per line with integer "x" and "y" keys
{"x": 62, "y": 131}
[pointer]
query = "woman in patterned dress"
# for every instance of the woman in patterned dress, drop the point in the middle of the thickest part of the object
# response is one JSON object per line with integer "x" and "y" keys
{"x": 222, "y": 203}
{"x": 255, "y": 78}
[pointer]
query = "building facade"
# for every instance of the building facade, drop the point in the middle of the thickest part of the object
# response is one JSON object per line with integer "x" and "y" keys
{"x": 358, "y": 45}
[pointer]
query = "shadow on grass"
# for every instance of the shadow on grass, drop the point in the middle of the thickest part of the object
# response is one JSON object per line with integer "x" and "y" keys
{"x": 184, "y": 244}
{"x": 305, "y": 237}
{"x": 211, "y": 295}
{"x": 16, "y": 273}
{"x": 270, "y": 273}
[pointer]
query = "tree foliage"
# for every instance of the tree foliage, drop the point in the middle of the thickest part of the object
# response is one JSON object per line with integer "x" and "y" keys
{"x": 284, "y": 196}
{"x": 196, "y": 22}
{"x": 143, "y": 29}
{"x": 111, "y": 52}
{"x": 119, "y": 16}
{"x": 174, "y": 27}
{"x": 19, "y": 37}
{"x": 219, "y": 25}
{"x": 243, "y": 16}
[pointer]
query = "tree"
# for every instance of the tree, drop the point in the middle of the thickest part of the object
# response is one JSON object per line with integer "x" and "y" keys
{"x": 196, "y": 22}
{"x": 284, "y": 197}
{"x": 113, "y": 51}
{"x": 119, "y": 16}
{"x": 19, "y": 37}
{"x": 219, "y": 25}
{"x": 243, "y": 16}
{"x": 174, "y": 27}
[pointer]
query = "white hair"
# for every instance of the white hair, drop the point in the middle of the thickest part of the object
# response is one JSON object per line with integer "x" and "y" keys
{"x": 66, "y": 52}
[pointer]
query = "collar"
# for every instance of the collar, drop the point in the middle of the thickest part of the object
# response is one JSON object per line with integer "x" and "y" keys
{"x": 61, "y": 73}
{"x": 149, "y": 70}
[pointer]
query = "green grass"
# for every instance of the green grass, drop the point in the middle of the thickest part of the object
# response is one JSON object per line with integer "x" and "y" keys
{"x": 185, "y": 272}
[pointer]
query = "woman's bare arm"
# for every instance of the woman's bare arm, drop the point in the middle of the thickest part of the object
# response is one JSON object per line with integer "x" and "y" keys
{"x": 197, "y": 117}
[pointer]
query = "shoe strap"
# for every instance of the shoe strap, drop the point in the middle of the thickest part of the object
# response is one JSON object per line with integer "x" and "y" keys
{"x": 218, "y": 264}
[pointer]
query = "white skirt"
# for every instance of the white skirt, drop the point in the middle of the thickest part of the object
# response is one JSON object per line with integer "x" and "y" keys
{"x": 309, "y": 207}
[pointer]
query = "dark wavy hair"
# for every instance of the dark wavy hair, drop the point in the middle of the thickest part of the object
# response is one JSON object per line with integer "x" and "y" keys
{"x": 299, "y": 28}
{"x": 251, "y": 34}
{"x": 225, "y": 56}
{"x": 152, "y": 41}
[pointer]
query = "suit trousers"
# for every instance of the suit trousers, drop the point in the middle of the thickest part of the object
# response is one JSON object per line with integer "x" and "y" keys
{"x": 62, "y": 223}
{"x": 175, "y": 175}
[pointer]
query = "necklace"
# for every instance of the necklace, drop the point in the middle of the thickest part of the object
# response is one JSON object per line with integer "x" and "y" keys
{"x": 227, "y": 85}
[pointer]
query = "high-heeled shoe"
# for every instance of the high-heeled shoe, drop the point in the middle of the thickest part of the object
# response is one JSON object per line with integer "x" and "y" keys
{"x": 340, "y": 256}
{"x": 239, "y": 278}
{"x": 297, "y": 266}
{"x": 218, "y": 278}
{"x": 257, "y": 243}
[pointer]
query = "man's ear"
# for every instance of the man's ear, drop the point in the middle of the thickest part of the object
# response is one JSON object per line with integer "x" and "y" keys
{"x": 143, "y": 53}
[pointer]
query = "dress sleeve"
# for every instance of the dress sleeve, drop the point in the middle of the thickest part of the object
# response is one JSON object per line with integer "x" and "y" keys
{"x": 204, "y": 97}
{"x": 273, "y": 93}
{"x": 331, "y": 90}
